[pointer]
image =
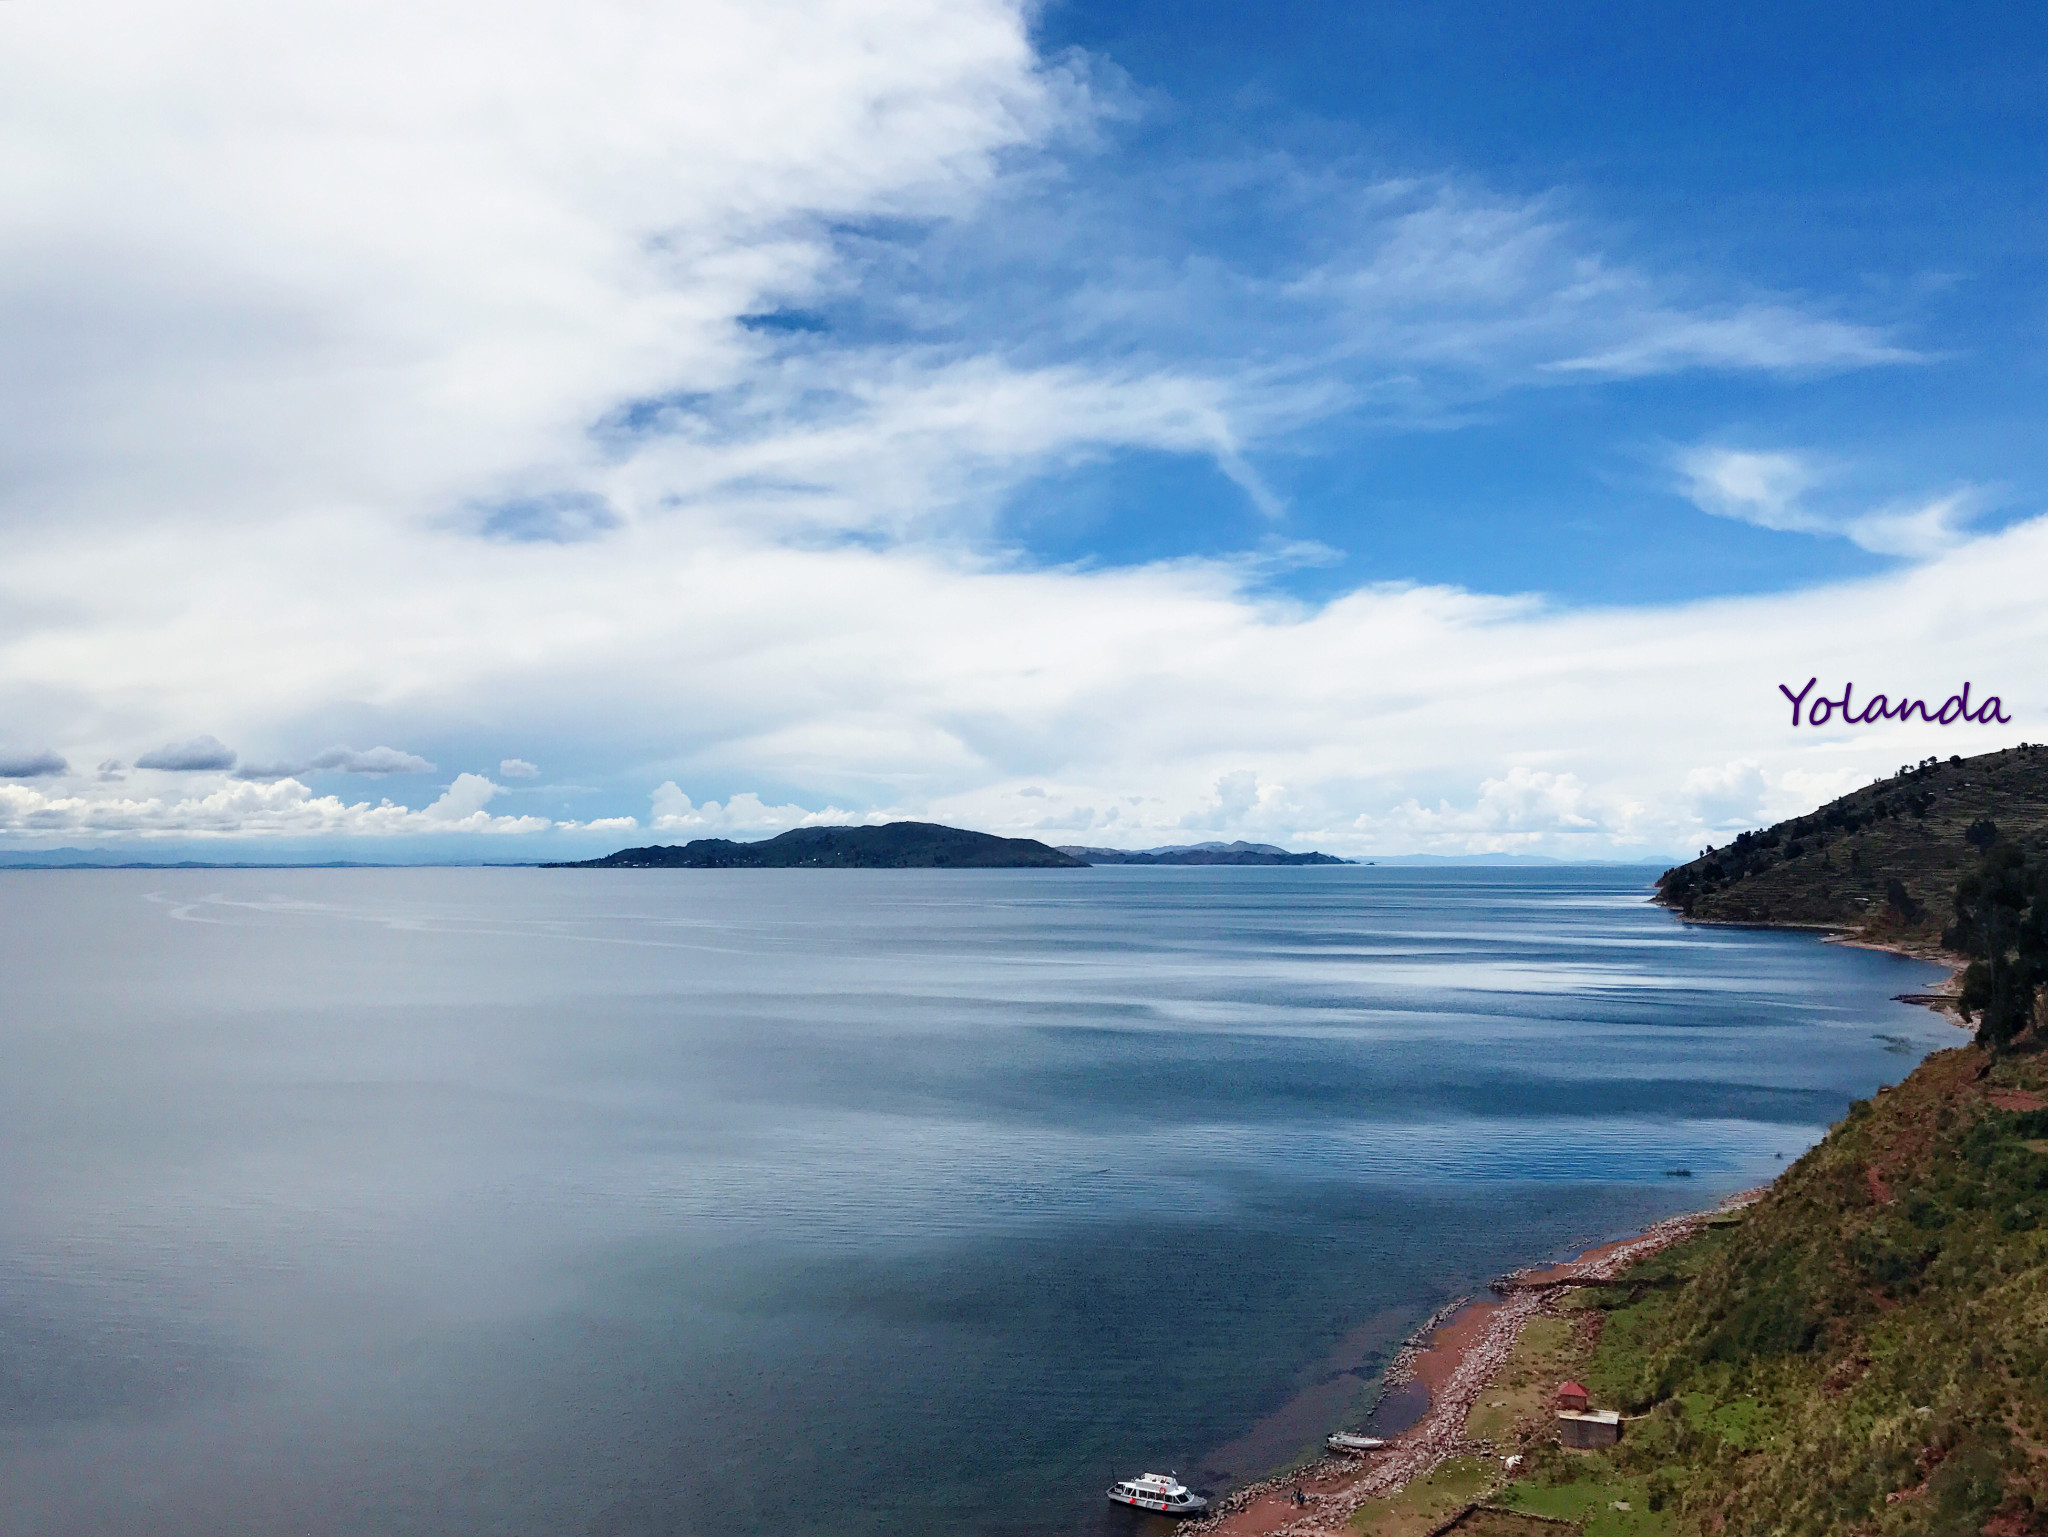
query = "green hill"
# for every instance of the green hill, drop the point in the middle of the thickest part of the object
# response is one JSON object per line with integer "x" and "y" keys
{"x": 1883, "y": 860}
{"x": 895, "y": 846}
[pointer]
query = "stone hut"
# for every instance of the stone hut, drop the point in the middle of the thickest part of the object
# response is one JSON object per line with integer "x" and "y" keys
{"x": 1588, "y": 1431}
{"x": 1572, "y": 1397}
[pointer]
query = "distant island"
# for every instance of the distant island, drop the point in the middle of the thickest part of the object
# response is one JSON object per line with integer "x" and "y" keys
{"x": 1198, "y": 854}
{"x": 894, "y": 846}
{"x": 923, "y": 846}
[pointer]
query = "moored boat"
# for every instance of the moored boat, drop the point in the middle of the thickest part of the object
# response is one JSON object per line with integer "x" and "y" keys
{"x": 1158, "y": 1491}
{"x": 1346, "y": 1441}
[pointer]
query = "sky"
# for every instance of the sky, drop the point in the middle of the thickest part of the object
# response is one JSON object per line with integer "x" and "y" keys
{"x": 438, "y": 430}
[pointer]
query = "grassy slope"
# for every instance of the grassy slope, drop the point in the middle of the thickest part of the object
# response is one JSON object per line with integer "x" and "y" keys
{"x": 1830, "y": 867}
{"x": 1866, "y": 1353}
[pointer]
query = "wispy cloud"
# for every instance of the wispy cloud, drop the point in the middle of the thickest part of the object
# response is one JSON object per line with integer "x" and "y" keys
{"x": 1776, "y": 490}
{"x": 1515, "y": 290}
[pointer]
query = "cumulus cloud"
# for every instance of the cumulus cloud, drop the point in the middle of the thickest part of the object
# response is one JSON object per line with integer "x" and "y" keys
{"x": 600, "y": 825}
{"x": 341, "y": 760}
{"x": 1774, "y": 490}
{"x": 1389, "y": 719}
{"x": 198, "y": 755}
{"x": 1241, "y": 800}
{"x": 281, "y": 808}
{"x": 519, "y": 768}
{"x": 1524, "y": 809}
{"x": 675, "y": 812}
{"x": 1728, "y": 795}
{"x": 18, "y": 763}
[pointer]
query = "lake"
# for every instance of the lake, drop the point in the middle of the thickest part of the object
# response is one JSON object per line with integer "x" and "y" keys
{"x": 480, "y": 1201}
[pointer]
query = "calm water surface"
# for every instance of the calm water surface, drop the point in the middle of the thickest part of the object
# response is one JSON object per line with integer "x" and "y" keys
{"x": 907, "y": 1202}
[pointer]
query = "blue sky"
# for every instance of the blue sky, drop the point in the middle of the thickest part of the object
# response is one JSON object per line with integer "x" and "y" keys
{"x": 1886, "y": 169}
{"x": 531, "y": 428}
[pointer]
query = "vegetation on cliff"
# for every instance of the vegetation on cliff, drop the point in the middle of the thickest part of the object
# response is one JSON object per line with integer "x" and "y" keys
{"x": 2001, "y": 924}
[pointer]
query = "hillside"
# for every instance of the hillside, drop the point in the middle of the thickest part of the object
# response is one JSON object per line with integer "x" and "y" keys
{"x": 1864, "y": 1355}
{"x": 895, "y": 846}
{"x": 1883, "y": 860}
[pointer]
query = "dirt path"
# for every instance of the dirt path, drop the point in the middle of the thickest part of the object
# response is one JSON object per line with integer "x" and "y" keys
{"x": 1456, "y": 1362}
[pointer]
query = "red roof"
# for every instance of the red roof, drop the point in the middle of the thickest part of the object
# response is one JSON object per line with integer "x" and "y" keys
{"x": 1572, "y": 1387}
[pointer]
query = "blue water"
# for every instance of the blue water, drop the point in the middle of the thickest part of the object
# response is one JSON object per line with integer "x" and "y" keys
{"x": 907, "y": 1202}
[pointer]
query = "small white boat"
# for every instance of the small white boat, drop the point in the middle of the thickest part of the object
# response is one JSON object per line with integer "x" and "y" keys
{"x": 1345, "y": 1441}
{"x": 1159, "y": 1491}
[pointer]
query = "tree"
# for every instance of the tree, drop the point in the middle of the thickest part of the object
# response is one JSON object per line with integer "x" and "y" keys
{"x": 2002, "y": 925}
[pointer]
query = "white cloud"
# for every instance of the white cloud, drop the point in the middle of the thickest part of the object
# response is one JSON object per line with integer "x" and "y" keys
{"x": 1773, "y": 490}
{"x": 1916, "y": 530}
{"x": 600, "y": 825}
{"x": 1440, "y": 273}
{"x": 894, "y": 683}
{"x": 283, "y": 808}
{"x": 1730, "y": 795}
{"x": 519, "y": 768}
{"x": 674, "y": 812}
{"x": 1522, "y": 810}
{"x": 1761, "y": 488}
{"x": 1241, "y": 801}
{"x": 398, "y": 383}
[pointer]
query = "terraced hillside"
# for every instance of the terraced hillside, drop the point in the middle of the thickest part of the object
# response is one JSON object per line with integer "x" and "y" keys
{"x": 1883, "y": 860}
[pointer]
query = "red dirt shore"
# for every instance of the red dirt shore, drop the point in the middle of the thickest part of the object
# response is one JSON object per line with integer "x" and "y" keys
{"x": 1455, "y": 1362}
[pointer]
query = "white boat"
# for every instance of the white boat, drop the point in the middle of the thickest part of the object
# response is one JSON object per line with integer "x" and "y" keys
{"x": 1345, "y": 1441}
{"x": 1159, "y": 1491}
